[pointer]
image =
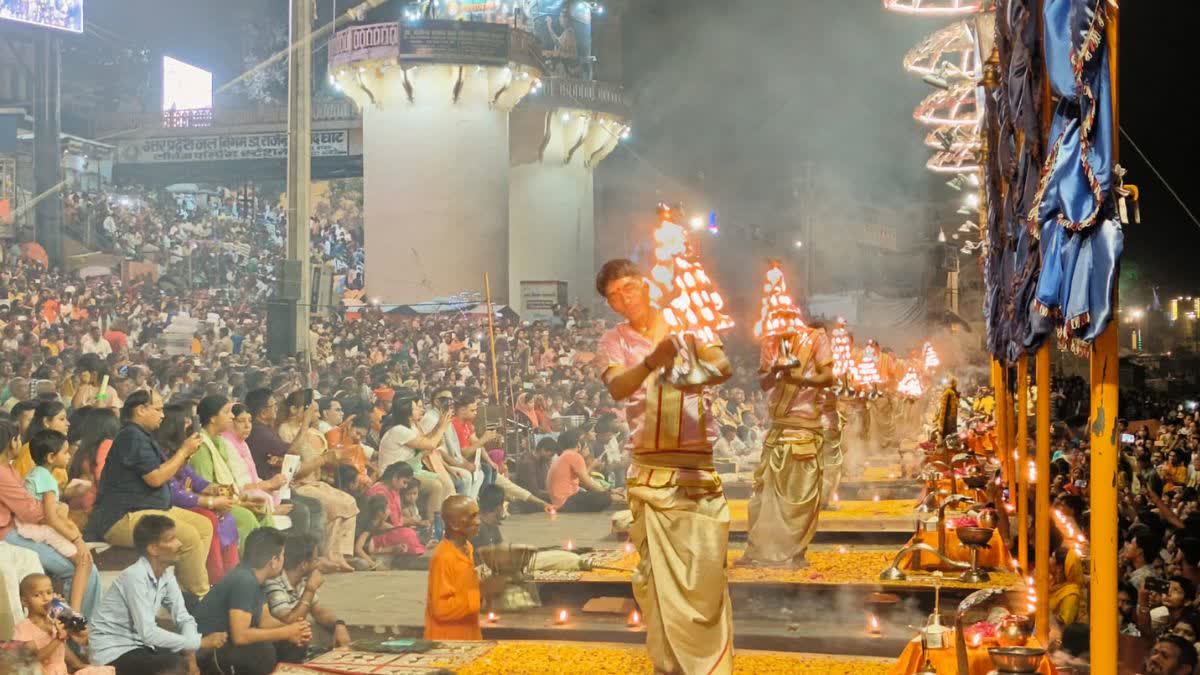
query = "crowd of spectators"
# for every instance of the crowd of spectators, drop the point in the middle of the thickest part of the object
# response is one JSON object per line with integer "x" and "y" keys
{"x": 184, "y": 442}
{"x": 212, "y": 238}
{"x": 349, "y": 450}
{"x": 1158, "y": 480}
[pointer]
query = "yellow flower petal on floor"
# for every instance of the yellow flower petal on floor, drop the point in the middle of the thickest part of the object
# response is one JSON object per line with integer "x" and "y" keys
{"x": 556, "y": 658}
{"x": 825, "y": 567}
{"x": 881, "y": 473}
{"x": 849, "y": 509}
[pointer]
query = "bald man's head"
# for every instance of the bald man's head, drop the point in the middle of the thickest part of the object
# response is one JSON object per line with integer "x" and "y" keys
{"x": 461, "y": 515}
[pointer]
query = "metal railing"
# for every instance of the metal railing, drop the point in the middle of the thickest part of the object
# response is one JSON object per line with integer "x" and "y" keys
{"x": 218, "y": 117}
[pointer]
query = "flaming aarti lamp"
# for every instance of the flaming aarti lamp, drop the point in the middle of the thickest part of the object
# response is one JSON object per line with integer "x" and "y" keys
{"x": 779, "y": 322}
{"x": 867, "y": 371}
{"x": 842, "y": 343}
{"x": 910, "y": 385}
{"x": 690, "y": 303}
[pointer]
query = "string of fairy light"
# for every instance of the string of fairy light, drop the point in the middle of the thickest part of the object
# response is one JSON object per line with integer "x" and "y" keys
{"x": 950, "y": 61}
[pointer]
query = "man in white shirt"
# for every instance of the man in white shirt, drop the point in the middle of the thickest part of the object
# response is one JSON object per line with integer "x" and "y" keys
{"x": 462, "y": 471}
{"x": 729, "y": 447}
{"x": 124, "y": 630}
{"x": 94, "y": 343}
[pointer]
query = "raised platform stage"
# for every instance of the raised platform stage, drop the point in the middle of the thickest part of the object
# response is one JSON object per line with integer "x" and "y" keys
{"x": 887, "y": 521}
{"x": 561, "y": 657}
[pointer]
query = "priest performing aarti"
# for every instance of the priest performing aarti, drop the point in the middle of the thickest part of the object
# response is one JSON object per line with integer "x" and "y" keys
{"x": 657, "y": 363}
{"x": 797, "y": 364}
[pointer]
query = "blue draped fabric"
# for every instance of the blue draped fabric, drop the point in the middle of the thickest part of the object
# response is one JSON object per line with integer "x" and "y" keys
{"x": 1081, "y": 242}
{"x": 1012, "y": 126}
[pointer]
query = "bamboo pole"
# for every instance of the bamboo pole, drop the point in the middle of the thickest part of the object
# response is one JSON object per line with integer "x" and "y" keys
{"x": 1041, "y": 512}
{"x": 487, "y": 291}
{"x": 1022, "y": 463}
{"x": 1104, "y": 366}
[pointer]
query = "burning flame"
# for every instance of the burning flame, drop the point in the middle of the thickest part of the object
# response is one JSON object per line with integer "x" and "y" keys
{"x": 570, "y": 545}
{"x": 780, "y": 316}
{"x": 843, "y": 348}
{"x": 910, "y": 385}
{"x": 491, "y": 617}
{"x": 689, "y": 301}
{"x": 635, "y": 619}
{"x": 931, "y": 358}
{"x": 873, "y": 625}
{"x": 867, "y": 370}
{"x": 976, "y": 640}
{"x": 628, "y": 547}
{"x": 561, "y": 617}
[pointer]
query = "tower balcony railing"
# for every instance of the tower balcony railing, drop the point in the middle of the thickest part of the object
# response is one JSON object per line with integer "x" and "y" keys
{"x": 340, "y": 110}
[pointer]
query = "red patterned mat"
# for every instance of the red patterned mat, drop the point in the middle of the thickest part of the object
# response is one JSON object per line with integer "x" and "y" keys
{"x": 446, "y": 656}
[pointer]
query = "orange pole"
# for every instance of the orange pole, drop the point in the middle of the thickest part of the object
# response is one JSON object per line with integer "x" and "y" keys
{"x": 1005, "y": 427}
{"x": 998, "y": 415}
{"x": 1041, "y": 511}
{"x": 1022, "y": 463}
{"x": 1104, "y": 367}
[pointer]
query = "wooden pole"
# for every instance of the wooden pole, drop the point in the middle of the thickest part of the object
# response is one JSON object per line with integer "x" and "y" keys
{"x": 1022, "y": 463}
{"x": 1041, "y": 512}
{"x": 487, "y": 292}
{"x": 1104, "y": 366}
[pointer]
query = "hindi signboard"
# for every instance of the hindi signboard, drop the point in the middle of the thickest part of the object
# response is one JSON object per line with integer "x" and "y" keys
{"x": 226, "y": 147}
{"x": 539, "y": 298}
{"x": 376, "y": 41}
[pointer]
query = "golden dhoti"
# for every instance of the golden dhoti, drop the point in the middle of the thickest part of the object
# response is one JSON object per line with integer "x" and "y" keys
{"x": 788, "y": 489}
{"x": 833, "y": 460}
{"x": 681, "y": 530}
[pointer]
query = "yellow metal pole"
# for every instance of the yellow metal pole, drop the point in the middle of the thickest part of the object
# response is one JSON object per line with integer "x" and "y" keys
{"x": 1041, "y": 511}
{"x": 998, "y": 414}
{"x": 1022, "y": 468}
{"x": 1104, "y": 366}
{"x": 1042, "y": 518}
{"x": 1005, "y": 401}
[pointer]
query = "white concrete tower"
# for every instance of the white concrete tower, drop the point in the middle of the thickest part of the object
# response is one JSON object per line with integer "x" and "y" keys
{"x": 435, "y": 97}
{"x": 559, "y": 135}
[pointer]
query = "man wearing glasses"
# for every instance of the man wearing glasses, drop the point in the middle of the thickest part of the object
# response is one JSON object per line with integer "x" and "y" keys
{"x": 678, "y": 505}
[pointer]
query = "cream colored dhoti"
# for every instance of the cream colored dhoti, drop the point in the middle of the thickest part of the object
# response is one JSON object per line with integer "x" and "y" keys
{"x": 788, "y": 489}
{"x": 681, "y": 530}
{"x": 832, "y": 464}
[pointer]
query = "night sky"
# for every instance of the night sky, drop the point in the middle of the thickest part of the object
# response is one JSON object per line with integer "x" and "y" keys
{"x": 817, "y": 67}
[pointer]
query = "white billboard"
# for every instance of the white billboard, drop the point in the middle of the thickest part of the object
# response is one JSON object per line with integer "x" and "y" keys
{"x": 185, "y": 87}
{"x": 60, "y": 14}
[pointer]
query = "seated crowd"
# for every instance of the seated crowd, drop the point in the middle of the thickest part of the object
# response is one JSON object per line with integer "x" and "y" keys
{"x": 106, "y": 430}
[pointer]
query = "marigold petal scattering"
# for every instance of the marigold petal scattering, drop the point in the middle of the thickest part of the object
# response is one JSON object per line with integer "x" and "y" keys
{"x": 533, "y": 658}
